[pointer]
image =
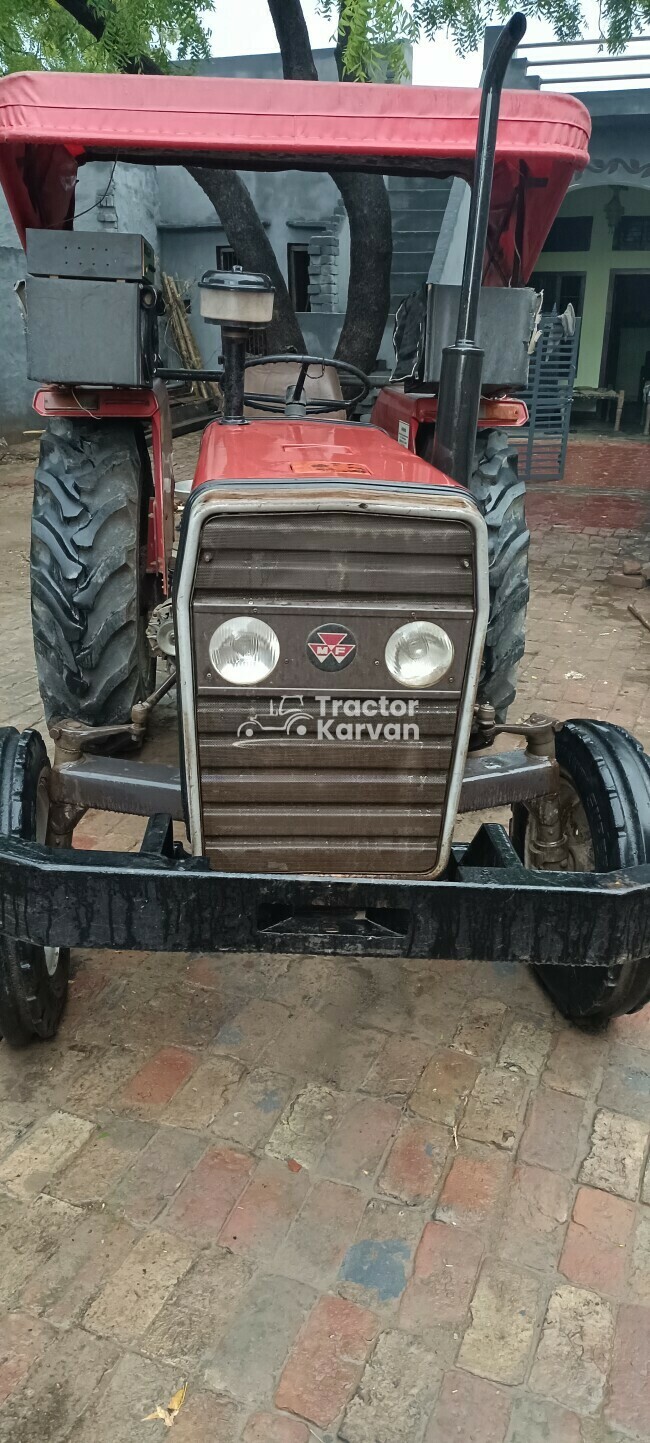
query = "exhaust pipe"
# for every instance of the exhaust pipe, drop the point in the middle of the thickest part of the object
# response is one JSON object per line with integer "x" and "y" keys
{"x": 459, "y": 391}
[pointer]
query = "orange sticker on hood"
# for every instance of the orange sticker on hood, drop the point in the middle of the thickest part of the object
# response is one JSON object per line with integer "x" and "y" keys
{"x": 329, "y": 468}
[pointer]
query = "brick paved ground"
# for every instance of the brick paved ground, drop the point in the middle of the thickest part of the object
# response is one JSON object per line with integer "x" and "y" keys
{"x": 375, "y": 1202}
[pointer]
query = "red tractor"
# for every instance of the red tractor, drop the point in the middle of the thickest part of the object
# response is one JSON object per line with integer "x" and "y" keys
{"x": 345, "y": 613}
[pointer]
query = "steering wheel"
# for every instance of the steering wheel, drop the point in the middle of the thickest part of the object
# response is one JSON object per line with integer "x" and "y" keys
{"x": 277, "y": 405}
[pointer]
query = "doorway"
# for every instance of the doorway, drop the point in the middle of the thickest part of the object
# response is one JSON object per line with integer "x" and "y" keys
{"x": 626, "y": 349}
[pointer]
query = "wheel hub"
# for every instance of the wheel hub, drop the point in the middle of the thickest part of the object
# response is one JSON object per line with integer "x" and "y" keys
{"x": 577, "y": 844}
{"x": 160, "y": 631}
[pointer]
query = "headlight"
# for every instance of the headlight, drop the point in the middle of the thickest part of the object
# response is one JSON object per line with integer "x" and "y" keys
{"x": 419, "y": 653}
{"x": 244, "y": 650}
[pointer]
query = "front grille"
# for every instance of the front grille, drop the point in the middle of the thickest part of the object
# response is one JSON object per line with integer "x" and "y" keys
{"x": 355, "y": 801}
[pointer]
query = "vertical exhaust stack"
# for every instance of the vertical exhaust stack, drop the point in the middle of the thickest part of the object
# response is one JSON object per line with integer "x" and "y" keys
{"x": 238, "y": 301}
{"x": 459, "y": 392}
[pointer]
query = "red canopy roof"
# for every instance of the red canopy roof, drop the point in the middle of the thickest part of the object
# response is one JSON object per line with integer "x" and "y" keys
{"x": 51, "y": 122}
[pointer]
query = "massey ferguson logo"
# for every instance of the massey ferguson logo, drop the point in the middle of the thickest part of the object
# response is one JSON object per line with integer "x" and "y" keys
{"x": 331, "y": 646}
{"x": 337, "y": 719}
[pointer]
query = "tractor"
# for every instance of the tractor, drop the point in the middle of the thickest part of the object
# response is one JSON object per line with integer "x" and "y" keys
{"x": 344, "y": 614}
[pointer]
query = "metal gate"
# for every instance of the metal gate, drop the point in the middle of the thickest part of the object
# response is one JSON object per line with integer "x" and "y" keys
{"x": 549, "y": 394}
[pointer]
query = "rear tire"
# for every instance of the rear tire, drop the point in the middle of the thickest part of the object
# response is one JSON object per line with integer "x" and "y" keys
{"x": 33, "y": 980}
{"x": 500, "y": 496}
{"x": 606, "y": 789}
{"x": 90, "y": 588}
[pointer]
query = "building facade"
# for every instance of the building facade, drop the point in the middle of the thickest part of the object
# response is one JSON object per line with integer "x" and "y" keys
{"x": 598, "y": 252}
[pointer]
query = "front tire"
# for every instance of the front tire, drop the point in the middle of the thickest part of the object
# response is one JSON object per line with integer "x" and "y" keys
{"x": 500, "y": 496}
{"x": 89, "y": 584}
{"x": 33, "y": 980}
{"x": 605, "y": 801}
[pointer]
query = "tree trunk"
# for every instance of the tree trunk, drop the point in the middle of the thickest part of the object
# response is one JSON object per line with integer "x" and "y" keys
{"x": 231, "y": 199}
{"x": 365, "y": 199}
{"x": 293, "y": 38}
{"x": 371, "y": 253}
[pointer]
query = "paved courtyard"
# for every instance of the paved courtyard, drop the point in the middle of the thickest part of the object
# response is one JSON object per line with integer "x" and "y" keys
{"x": 378, "y": 1202}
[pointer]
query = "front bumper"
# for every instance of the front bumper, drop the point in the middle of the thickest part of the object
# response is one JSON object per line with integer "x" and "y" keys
{"x": 486, "y": 907}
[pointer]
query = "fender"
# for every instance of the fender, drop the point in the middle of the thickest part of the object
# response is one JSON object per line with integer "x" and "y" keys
{"x": 401, "y": 413}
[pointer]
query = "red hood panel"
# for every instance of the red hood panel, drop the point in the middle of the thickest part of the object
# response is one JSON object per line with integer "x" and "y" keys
{"x": 282, "y": 449}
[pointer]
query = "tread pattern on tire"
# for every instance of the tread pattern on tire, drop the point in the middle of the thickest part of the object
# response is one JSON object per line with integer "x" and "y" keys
{"x": 500, "y": 496}
{"x": 92, "y": 655}
{"x": 31, "y": 1001}
{"x": 611, "y": 773}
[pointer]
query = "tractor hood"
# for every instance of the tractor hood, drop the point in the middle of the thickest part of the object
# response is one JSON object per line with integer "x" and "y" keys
{"x": 284, "y": 450}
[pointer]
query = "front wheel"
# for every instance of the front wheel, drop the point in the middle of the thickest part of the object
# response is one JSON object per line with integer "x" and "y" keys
{"x": 605, "y": 806}
{"x": 33, "y": 980}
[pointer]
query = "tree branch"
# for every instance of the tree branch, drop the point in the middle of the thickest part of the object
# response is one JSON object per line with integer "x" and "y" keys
{"x": 86, "y": 16}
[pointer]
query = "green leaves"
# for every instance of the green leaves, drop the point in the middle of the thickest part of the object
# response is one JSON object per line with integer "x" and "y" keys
{"x": 374, "y": 31}
{"x": 38, "y": 35}
{"x": 373, "y": 34}
{"x": 466, "y": 21}
{"x": 159, "y": 28}
{"x": 44, "y": 35}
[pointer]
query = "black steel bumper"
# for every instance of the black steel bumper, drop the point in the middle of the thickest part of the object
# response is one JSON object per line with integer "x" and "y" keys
{"x": 486, "y": 907}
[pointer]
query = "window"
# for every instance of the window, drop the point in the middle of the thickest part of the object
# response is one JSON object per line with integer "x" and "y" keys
{"x": 632, "y": 233}
{"x": 570, "y": 233}
{"x": 226, "y": 258}
{"x": 560, "y": 288}
{"x": 298, "y": 276}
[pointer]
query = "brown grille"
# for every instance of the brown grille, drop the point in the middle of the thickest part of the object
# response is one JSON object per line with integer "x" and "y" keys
{"x": 276, "y": 795}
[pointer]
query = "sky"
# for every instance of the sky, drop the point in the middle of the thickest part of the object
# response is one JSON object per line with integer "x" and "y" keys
{"x": 246, "y": 27}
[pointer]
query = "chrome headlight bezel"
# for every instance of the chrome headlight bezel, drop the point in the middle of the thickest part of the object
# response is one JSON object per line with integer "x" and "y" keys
{"x": 244, "y": 651}
{"x": 418, "y": 642}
